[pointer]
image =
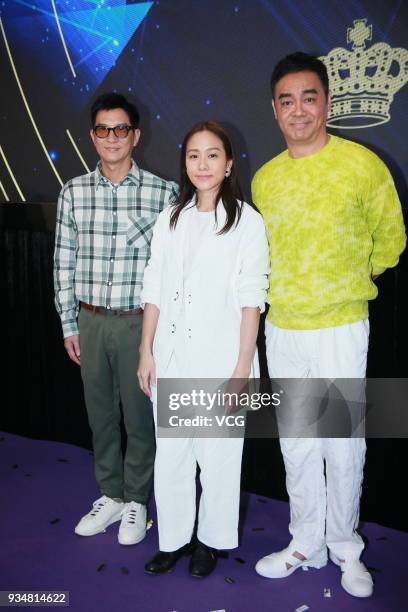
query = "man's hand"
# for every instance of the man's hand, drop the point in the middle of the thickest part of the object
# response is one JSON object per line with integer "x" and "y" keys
{"x": 71, "y": 345}
{"x": 146, "y": 372}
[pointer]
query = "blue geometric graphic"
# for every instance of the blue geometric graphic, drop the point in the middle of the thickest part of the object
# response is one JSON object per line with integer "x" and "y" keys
{"x": 101, "y": 34}
{"x": 95, "y": 32}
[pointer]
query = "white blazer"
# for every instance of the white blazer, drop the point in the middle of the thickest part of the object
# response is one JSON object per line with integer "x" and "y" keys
{"x": 200, "y": 315}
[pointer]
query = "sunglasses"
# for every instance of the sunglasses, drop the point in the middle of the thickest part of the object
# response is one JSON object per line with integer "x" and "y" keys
{"x": 121, "y": 131}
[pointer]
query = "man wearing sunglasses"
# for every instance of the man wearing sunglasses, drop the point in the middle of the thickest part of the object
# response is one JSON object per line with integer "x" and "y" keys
{"x": 104, "y": 226}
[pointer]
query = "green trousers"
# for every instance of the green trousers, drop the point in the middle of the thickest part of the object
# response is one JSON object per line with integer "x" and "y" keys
{"x": 109, "y": 358}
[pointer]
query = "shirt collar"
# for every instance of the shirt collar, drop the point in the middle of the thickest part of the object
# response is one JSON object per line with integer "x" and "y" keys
{"x": 132, "y": 178}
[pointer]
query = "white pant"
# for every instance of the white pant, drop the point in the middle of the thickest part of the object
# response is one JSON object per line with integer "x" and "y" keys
{"x": 175, "y": 488}
{"x": 322, "y": 510}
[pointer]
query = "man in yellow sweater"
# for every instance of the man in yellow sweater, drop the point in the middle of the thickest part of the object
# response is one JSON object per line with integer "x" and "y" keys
{"x": 335, "y": 223}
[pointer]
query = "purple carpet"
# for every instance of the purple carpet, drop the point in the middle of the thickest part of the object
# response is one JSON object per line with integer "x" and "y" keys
{"x": 47, "y": 486}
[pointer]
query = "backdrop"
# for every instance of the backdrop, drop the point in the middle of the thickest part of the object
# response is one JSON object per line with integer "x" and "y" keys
{"x": 183, "y": 61}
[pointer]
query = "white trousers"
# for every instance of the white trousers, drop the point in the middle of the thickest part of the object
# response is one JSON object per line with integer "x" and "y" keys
{"x": 323, "y": 509}
{"x": 175, "y": 488}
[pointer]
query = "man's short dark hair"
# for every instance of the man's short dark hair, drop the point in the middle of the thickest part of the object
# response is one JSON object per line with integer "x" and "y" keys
{"x": 111, "y": 100}
{"x": 300, "y": 62}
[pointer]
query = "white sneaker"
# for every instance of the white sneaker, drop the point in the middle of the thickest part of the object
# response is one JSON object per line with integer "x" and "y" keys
{"x": 275, "y": 565}
{"x": 355, "y": 579}
{"x": 132, "y": 529}
{"x": 105, "y": 511}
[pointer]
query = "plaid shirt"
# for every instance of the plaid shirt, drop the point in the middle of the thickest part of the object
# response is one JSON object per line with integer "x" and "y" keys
{"x": 102, "y": 240}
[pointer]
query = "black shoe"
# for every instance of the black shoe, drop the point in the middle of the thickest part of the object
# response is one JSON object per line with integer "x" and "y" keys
{"x": 164, "y": 561}
{"x": 203, "y": 561}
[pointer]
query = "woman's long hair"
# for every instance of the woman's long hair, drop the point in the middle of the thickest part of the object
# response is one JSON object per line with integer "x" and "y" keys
{"x": 229, "y": 192}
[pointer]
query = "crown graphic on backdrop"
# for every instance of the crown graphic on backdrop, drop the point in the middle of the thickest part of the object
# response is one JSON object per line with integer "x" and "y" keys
{"x": 363, "y": 81}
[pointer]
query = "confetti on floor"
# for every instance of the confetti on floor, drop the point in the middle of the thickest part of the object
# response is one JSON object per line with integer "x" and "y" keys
{"x": 234, "y": 584}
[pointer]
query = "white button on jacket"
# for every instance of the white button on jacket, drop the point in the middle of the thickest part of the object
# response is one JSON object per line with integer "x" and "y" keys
{"x": 200, "y": 315}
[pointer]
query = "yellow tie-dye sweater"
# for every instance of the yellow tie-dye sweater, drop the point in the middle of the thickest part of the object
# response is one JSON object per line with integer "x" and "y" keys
{"x": 333, "y": 220}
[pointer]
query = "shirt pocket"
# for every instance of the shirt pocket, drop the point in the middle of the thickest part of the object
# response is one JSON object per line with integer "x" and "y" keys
{"x": 140, "y": 231}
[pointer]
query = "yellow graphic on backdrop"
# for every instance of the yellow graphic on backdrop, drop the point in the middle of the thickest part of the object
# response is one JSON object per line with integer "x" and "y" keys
{"x": 13, "y": 178}
{"x": 4, "y": 192}
{"x": 14, "y": 69}
{"x": 77, "y": 151}
{"x": 364, "y": 81}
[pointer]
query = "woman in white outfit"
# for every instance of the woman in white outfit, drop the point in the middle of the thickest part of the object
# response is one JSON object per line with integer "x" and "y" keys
{"x": 203, "y": 290}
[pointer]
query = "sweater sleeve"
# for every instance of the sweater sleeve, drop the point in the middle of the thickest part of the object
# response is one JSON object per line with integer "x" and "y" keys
{"x": 255, "y": 191}
{"x": 150, "y": 293}
{"x": 254, "y": 269}
{"x": 384, "y": 219}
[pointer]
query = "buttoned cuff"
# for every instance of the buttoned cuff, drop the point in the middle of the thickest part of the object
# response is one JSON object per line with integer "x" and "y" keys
{"x": 69, "y": 327}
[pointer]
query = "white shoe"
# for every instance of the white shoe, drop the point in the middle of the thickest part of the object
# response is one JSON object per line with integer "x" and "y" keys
{"x": 275, "y": 565}
{"x": 132, "y": 529}
{"x": 355, "y": 579}
{"x": 105, "y": 511}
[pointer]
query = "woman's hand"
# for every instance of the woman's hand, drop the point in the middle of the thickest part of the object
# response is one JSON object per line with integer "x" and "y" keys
{"x": 237, "y": 384}
{"x": 146, "y": 372}
{"x": 241, "y": 371}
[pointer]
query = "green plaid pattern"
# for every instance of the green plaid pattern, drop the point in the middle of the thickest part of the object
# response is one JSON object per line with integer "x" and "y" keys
{"x": 102, "y": 240}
